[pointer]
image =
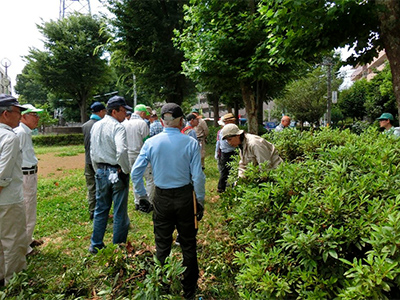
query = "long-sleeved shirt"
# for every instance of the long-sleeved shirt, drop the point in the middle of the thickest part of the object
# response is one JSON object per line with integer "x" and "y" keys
{"x": 137, "y": 132}
{"x": 10, "y": 167}
{"x": 222, "y": 145}
{"x": 175, "y": 158}
{"x": 86, "y": 128}
{"x": 108, "y": 144}
{"x": 201, "y": 130}
{"x": 24, "y": 134}
{"x": 155, "y": 128}
{"x": 256, "y": 150}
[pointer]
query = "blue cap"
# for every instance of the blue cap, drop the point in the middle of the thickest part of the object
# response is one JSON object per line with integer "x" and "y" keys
{"x": 117, "y": 101}
{"x": 8, "y": 100}
{"x": 97, "y": 106}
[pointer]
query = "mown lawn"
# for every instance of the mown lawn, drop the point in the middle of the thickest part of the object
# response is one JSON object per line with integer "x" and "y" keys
{"x": 63, "y": 268}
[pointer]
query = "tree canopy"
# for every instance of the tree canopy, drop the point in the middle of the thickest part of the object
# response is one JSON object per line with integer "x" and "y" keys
{"x": 72, "y": 64}
{"x": 143, "y": 42}
{"x": 308, "y": 29}
{"x": 223, "y": 42}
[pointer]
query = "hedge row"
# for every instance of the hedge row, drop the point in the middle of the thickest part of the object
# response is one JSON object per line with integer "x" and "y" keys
{"x": 58, "y": 140}
{"x": 325, "y": 224}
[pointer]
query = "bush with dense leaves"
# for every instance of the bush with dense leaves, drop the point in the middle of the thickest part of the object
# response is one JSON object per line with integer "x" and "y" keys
{"x": 58, "y": 140}
{"x": 325, "y": 223}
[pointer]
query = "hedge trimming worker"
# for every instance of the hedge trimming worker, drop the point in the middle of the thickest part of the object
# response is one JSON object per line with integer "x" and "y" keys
{"x": 13, "y": 238}
{"x": 109, "y": 154}
{"x": 98, "y": 113}
{"x": 180, "y": 191}
{"x": 253, "y": 148}
{"x": 29, "y": 121}
{"x": 386, "y": 121}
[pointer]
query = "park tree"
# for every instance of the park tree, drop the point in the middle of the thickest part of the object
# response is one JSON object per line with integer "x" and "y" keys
{"x": 352, "y": 101}
{"x": 72, "y": 63}
{"x": 223, "y": 44}
{"x": 143, "y": 42}
{"x": 28, "y": 87}
{"x": 307, "y": 29}
{"x": 305, "y": 99}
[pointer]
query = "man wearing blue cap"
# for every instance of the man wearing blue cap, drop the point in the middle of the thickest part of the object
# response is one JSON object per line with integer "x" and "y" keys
{"x": 29, "y": 121}
{"x": 386, "y": 122}
{"x": 13, "y": 237}
{"x": 98, "y": 112}
{"x": 109, "y": 155}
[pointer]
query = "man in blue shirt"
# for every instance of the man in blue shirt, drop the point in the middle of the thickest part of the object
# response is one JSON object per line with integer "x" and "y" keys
{"x": 176, "y": 162}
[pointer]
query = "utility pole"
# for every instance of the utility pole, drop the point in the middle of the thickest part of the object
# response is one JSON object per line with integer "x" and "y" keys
{"x": 134, "y": 91}
{"x": 328, "y": 62}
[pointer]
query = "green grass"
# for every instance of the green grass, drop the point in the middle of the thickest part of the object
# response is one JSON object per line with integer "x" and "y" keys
{"x": 64, "y": 269}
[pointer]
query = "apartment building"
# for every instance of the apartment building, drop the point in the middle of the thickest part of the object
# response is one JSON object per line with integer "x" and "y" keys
{"x": 367, "y": 71}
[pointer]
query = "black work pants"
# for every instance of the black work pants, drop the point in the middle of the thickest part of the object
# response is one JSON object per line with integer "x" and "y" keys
{"x": 224, "y": 169}
{"x": 174, "y": 208}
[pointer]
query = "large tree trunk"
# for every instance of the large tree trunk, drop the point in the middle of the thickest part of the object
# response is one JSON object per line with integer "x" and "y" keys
{"x": 390, "y": 34}
{"x": 82, "y": 108}
{"x": 251, "y": 107}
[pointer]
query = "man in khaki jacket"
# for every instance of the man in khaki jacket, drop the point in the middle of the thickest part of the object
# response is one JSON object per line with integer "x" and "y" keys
{"x": 253, "y": 148}
{"x": 201, "y": 132}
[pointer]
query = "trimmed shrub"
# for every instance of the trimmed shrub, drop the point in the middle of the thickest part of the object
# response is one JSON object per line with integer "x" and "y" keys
{"x": 325, "y": 223}
{"x": 58, "y": 140}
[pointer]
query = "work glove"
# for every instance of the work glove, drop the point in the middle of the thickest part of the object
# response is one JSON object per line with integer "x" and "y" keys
{"x": 145, "y": 205}
{"x": 113, "y": 177}
{"x": 200, "y": 211}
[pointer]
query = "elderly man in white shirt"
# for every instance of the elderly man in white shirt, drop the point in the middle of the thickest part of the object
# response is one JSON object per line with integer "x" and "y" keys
{"x": 29, "y": 121}
{"x": 108, "y": 151}
{"x": 13, "y": 238}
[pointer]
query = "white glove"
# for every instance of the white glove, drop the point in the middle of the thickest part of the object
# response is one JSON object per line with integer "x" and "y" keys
{"x": 113, "y": 177}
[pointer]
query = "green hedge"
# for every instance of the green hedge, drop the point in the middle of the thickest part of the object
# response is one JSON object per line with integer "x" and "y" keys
{"x": 325, "y": 224}
{"x": 58, "y": 140}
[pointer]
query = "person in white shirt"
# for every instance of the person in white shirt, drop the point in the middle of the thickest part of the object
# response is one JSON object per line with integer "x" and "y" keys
{"x": 109, "y": 155}
{"x": 29, "y": 121}
{"x": 137, "y": 132}
{"x": 13, "y": 238}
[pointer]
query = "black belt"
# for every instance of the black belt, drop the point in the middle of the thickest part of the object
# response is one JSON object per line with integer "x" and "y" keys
{"x": 106, "y": 166}
{"x": 30, "y": 170}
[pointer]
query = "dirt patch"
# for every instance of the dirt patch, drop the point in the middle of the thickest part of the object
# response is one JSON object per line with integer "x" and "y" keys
{"x": 50, "y": 163}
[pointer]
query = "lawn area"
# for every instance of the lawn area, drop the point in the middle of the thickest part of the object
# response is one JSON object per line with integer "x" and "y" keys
{"x": 63, "y": 268}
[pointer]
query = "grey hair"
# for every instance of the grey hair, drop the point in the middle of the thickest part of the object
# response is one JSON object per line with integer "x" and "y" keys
{"x": 172, "y": 123}
{"x": 5, "y": 108}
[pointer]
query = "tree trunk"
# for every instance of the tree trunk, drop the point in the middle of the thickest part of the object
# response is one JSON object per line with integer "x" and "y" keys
{"x": 216, "y": 110}
{"x": 82, "y": 108}
{"x": 390, "y": 31}
{"x": 251, "y": 107}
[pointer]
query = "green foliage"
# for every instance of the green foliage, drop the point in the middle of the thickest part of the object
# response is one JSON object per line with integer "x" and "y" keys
{"x": 304, "y": 99}
{"x": 144, "y": 31}
{"x": 325, "y": 224}
{"x": 71, "y": 66}
{"x": 60, "y": 139}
